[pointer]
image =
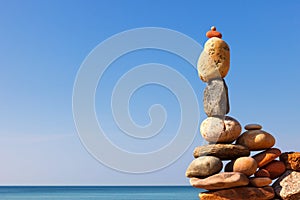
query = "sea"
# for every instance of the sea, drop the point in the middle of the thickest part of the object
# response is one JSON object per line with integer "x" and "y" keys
{"x": 99, "y": 192}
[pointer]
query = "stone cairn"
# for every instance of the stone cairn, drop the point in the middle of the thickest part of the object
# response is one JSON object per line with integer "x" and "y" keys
{"x": 244, "y": 177}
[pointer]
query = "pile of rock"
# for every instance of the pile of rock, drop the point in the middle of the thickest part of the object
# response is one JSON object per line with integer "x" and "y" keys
{"x": 244, "y": 177}
{"x": 287, "y": 186}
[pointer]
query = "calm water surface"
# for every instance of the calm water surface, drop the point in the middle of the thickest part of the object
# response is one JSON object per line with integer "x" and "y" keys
{"x": 100, "y": 193}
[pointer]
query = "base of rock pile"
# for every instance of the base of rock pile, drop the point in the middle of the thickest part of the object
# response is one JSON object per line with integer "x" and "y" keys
{"x": 241, "y": 193}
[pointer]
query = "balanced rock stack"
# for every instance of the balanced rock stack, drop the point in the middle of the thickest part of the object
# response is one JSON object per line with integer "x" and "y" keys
{"x": 244, "y": 176}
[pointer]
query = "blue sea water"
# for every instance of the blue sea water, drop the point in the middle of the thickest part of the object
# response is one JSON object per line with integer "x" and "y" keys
{"x": 99, "y": 192}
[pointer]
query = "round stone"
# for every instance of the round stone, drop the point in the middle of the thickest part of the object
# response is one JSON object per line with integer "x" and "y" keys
{"x": 253, "y": 127}
{"x": 245, "y": 165}
{"x": 204, "y": 166}
{"x": 215, "y": 129}
{"x": 214, "y": 61}
{"x": 275, "y": 168}
{"x": 256, "y": 140}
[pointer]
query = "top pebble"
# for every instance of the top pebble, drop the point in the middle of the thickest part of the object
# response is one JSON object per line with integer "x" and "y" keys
{"x": 213, "y": 33}
{"x": 253, "y": 127}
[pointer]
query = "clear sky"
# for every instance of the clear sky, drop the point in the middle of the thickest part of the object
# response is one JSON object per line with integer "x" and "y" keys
{"x": 43, "y": 44}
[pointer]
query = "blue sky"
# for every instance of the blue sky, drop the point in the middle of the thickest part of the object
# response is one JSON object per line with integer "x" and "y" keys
{"x": 43, "y": 44}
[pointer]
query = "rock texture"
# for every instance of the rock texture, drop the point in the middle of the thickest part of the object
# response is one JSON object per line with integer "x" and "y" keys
{"x": 222, "y": 151}
{"x": 214, "y": 61}
{"x": 291, "y": 160}
{"x": 241, "y": 193}
{"x": 245, "y": 165}
{"x": 215, "y": 98}
{"x": 288, "y": 185}
{"x": 204, "y": 166}
{"x": 266, "y": 156}
{"x": 275, "y": 168}
{"x": 256, "y": 140}
{"x": 216, "y": 129}
{"x": 221, "y": 181}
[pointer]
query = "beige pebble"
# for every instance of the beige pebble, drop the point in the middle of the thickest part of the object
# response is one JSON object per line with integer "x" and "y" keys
{"x": 216, "y": 129}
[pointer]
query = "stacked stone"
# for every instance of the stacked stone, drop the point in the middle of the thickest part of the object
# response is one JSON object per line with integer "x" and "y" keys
{"x": 244, "y": 177}
{"x": 221, "y": 131}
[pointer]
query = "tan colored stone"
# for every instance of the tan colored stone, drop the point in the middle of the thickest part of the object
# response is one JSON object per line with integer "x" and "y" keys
{"x": 260, "y": 181}
{"x": 256, "y": 140}
{"x": 222, "y": 151}
{"x": 266, "y": 156}
{"x": 221, "y": 181}
{"x": 204, "y": 166}
{"x": 214, "y": 61}
{"x": 241, "y": 193}
{"x": 287, "y": 186}
{"x": 291, "y": 160}
{"x": 245, "y": 165}
{"x": 217, "y": 129}
{"x": 253, "y": 127}
{"x": 275, "y": 168}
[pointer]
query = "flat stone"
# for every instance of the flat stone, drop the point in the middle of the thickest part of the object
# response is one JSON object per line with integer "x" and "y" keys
{"x": 241, "y": 193}
{"x": 262, "y": 173}
{"x": 256, "y": 140}
{"x": 291, "y": 160}
{"x": 260, "y": 181}
{"x": 204, "y": 166}
{"x": 221, "y": 181}
{"x": 253, "y": 127}
{"x": 245, "y": 165}
{"x": 287, "y": 186}
{"x": 214, "y": 61}
{"x": 266, "y": 156}
{"x": 222, "y": 151}
{"x": 215, "y": 98}
{"x": 275, "y": 168}
{"x": 217, "y": 129}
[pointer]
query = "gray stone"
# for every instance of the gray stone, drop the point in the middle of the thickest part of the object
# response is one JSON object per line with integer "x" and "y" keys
{"x": 222, "y": 151}
{"x": 287, "y": 185}
{"x": 221, "y": 181}
{"x": 204, "y": 166}
{"x": 215, "y": 99}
